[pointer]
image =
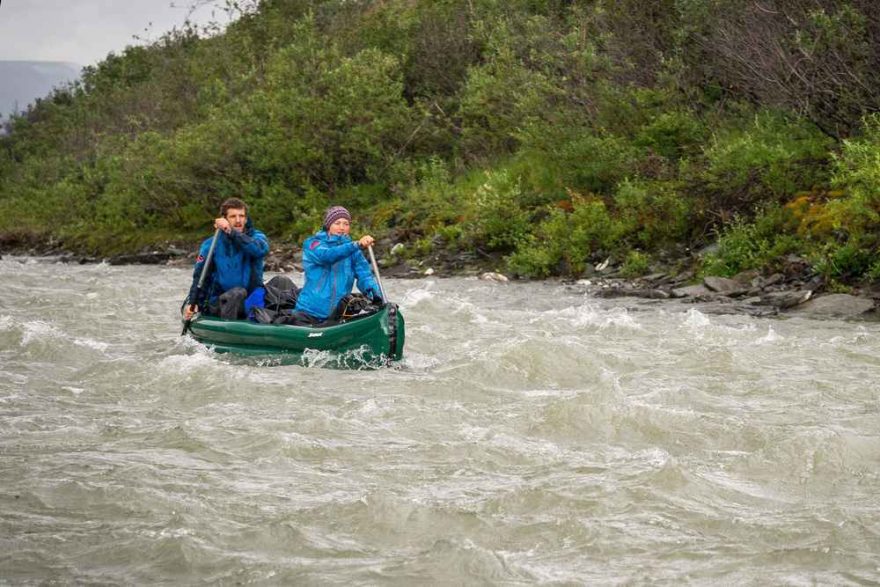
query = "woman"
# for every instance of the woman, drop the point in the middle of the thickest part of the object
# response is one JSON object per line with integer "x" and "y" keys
{"x": 331, "y": 263}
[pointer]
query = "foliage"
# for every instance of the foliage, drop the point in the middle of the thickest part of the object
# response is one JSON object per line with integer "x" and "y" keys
{"x": 635, "y": 264}
{"x": 499, "y": 220}
{"x": 556, "y": 133}
{"x": 746, "y": 245}
{"x": 565, "y": 241}
{"x": 766, "y": 160}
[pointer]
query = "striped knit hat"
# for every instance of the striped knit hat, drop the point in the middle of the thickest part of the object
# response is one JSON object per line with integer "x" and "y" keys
{"x": 333, "y": 214}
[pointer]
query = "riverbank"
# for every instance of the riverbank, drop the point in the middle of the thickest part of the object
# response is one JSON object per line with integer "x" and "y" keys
{"x": 794, "y": 290}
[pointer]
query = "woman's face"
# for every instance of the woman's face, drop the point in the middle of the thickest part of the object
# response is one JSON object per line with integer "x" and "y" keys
{"x": 339, "y": 226}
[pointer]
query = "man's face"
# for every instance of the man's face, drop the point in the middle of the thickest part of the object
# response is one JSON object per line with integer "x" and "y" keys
{"x": 237, "y": 218}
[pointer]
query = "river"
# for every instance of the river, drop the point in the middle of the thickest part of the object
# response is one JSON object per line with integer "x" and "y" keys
{"x": 532, "y": 435}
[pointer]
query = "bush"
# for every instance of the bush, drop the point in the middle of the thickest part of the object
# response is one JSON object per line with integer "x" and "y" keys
{"x": 753, "y": 245}
{"x": 654, "y": 214}
{"x": 564, "y": 242}
{"x": 635, "y": 264}
{"x": 499, "y": 220}
{"x": 764, "y": 162}
{"x": 857, "y": 172}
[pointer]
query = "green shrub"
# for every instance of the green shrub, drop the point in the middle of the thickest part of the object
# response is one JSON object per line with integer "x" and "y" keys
{"x": 857, "y": 172}
{"x": 672, "y": 134}
{"x": 635, "y": 264}
{"x": 763, "y": 162}
{"x": 564, "y": 242}
{"x": 754, "y": 244}
{"x": 498, "y": 219}
{"x": 653, "y": 212}
{"x": 579, "y": 158}
{"x": 846, "y": 261}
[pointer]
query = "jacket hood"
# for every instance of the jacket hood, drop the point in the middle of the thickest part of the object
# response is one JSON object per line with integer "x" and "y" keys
{"x": 327, "y": 237}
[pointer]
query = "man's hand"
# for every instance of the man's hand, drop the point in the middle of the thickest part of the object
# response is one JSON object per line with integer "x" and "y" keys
{"x": 366, "y": 241}
{"x": 223, "y": 225}
{"x": 189, "y": 311}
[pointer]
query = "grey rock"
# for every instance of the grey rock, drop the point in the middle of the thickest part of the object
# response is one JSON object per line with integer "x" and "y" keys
{"x": 786, "y": 299}
{"x": 654, "y": 277}
{"x": 690, "y": 291}
{"x": 618, "y": 291}
{"x": 746, "y": 277}
{"x": 492, "y": 276}
{"x": 723, "y": 285}
{"x": 835, "y": 305}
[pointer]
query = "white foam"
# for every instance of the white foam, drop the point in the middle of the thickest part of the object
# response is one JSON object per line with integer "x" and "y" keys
{"x": 416, "y": 296}
{"x": 696, "y": 320}
{"x": 91, "y": 344}
{"x": 591, "y": 315}
{"x": 185, "y": 362}
{"x": 770, "y": 337}
{"x": 39, "y": 330}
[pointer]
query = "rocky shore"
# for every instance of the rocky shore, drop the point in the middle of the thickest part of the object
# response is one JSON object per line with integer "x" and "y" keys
{"x": 795, "y": 290}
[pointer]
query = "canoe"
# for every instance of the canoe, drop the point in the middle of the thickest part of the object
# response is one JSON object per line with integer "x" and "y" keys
{"x": 368, "y": 341}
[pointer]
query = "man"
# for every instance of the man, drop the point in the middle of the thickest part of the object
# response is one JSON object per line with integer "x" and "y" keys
{"x": 236, "y": 268}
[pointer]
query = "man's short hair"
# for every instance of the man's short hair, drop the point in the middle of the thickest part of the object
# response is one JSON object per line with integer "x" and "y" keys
{"x": 232, "y": 203}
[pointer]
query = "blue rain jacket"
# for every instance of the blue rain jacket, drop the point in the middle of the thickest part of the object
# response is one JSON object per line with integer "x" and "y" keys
{"x": 237, "y": 262}
{"x": 331, "y": 264}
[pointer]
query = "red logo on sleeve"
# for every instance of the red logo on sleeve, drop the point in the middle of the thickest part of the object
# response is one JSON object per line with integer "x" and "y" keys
{"x": 315, "y": 244}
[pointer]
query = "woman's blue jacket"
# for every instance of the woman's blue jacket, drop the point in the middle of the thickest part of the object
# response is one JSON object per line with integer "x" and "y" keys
{"x": 237, "y": 262}
{"x": 331, "y": 264}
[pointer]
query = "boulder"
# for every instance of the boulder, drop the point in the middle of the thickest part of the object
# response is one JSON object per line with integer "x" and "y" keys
{"x": 835, "y": 305}
{"x": 724, "y": 285}
{"x": 620, "y": 291}
{"x": 785, "y": 299}
{"x": 690, "y": 291}
{"x": 746, "y": 277}
{"x": 491, "y": 276}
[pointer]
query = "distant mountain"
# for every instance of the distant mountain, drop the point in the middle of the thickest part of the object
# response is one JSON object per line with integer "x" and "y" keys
{"x": 22, "y": 82}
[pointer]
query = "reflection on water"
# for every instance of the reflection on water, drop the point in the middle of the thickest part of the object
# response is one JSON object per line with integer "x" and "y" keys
{"x": 531, "y": 434}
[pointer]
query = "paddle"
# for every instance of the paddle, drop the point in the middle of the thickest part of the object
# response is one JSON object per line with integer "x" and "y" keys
{"x": 376, "y": 271}
{"x": 204, "y": 274}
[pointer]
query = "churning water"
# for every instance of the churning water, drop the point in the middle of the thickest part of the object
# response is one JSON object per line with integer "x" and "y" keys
{"x": 532, "y": 435}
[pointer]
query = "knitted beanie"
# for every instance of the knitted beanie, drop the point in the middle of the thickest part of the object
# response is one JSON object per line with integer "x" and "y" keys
{"x": 333, "y": 214}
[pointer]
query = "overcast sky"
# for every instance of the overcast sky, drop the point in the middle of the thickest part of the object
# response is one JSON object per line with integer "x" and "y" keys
{"x": 84, "y": 31}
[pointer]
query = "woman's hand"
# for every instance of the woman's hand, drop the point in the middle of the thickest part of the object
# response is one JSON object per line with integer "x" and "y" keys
{"x": 189, "y": 311}
{"x": 366, "y": 241}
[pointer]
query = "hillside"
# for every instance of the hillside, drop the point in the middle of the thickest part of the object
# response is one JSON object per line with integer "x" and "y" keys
{"x": 546, "y": 135}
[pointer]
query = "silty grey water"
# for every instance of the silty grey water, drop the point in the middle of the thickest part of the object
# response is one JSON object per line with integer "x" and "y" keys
{"x": 532, "y": 435}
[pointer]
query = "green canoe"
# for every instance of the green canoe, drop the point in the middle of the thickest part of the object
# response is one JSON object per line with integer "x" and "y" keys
{"x": 369, "y": 341}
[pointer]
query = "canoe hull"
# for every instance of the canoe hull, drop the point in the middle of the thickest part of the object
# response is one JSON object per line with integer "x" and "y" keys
{"x": 373, "y": 340}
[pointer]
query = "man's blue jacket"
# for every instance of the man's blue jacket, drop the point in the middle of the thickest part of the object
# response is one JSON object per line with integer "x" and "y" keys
{"x": 331, "y": 264}
{"x": 237, "y": 262}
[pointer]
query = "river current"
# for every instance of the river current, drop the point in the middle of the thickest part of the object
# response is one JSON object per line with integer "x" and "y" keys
{"x": 531, "y": 435}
